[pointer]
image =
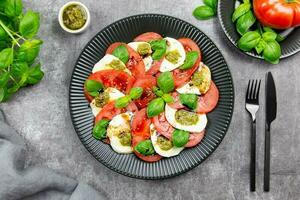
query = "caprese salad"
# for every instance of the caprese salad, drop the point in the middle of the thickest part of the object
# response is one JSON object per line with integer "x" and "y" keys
{"x": 150, "y": 97}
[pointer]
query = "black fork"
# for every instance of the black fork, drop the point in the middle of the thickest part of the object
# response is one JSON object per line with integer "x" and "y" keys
{"x": 252, "y": 106}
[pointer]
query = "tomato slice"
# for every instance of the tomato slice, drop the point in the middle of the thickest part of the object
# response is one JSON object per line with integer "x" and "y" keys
{"x": 132, "y": 107}
{"x": 108, "y": 112}
{"x": 147, "y": 37}
{"x": 140, "y": 132}
{"x": 135, "y": 63}
{"x": 147, "y": 83}
{"x": 177, "y": 104}
{"x": 209, "y": 100}
{"x": 154, "y": 69}
{"x": 195, "y": 138}
{"x": 162, "y": 125}
{"x": 183, "y": 76}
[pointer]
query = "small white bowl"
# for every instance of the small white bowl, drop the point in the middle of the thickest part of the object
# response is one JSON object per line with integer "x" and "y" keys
{"x": 84, "y": 9}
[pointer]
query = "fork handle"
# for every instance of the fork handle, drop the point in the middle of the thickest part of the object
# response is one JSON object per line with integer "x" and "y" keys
{"x": 253, "y": 157}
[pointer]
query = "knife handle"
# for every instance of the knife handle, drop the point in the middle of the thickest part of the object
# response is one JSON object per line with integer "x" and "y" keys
{"x": 253, "y": 157}
{"x": 267, "y": 159}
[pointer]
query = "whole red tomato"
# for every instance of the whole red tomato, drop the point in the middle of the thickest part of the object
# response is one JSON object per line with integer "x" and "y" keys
{"x": 278, "y": 14}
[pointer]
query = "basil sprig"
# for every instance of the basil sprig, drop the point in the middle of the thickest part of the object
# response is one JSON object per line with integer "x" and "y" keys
{"x": 93, "y": 87}
{"x": 99, "y": 130}
{"x": 145, "y": 148}
{"x": 206, "y": 11}
{"x": 165, "y": 82}
{"x": 121, "y": 52}
{"x": 190, "y": 60}
{"x": 134, "y": 94}
{"x": 159, "y": 48}
{"x": 155, "y": 107}
{"x": 180, "y": 137}
{"x": 189, "y": 100}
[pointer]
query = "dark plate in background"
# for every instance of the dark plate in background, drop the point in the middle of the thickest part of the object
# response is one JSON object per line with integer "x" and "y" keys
{"x": 125, "y": 30}
{"x": 289, "y": 46}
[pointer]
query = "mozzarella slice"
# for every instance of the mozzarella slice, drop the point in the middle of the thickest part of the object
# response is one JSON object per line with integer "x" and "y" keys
{"x": 197, "y": 127}
{"x": 118, "y": 125}
{"x": 104, "y": 64}
{"x": 174, "y": 151}
{"x": 148, "y": 61}
{"x": 173, "y": 45}
{"x": 113, "y": 94}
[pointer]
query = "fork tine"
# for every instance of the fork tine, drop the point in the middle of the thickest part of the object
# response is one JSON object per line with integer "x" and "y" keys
{"x": 254, "y": 90}
{"x": 248, "y": 88}
{"x": 251, "y": 90}
{"x": 257, "y": 93}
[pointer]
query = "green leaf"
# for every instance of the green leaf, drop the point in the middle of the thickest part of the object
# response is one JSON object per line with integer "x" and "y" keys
{"x": 93, "y": 87}
{"x": 211, "y": 3}
{"x": 180, "y": 137}
{"x": 29, "y": 50}
{"x": 99, "y": 130}
{"x": 6, "y": 57}
{"x": 168, "y": 98}
{"x": 122, "y": 102}
{"x": 145, "y": 148}
{"x": 29, "y": 24}
{"x": 121, "y": 53}
{"x": 269, "y": 36}
{"x": 189, "y": 100}
{"x": 4, "y": 78}
{"x": 272, "y": 52}
{"x": 159, "y": 48}
{"x": 248, "y": 41}
{"x": 155, "y": 107}
{"x": 260, "y": 46}
{"x": 203, "y": 12}
{"x": 190, "y": 60}
{"x": 245, "y": 22}
{"x": 165, "y": 82}
{"x": 35, "y": 74}
{"x": 136, "y": 93}
{"x": 18, "y": 69}
{"x": 240, "y": 11}
{"x": 3, "y": 34}
{"x": 157, "y": 91}
{"x": 13, "y": 8}
{"x": 2, "y": 94}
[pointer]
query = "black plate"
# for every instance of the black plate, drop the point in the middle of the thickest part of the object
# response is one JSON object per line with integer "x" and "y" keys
{"x": 289, "y": 46}
{"x": 125, "y": 30}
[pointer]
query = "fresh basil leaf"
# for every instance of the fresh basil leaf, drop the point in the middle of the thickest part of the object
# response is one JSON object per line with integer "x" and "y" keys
{"x": 13, "y": 8}
{"x": 35, "y": 74}
{"x": 136, "y": 93}
{"x": 240, "y": 11}
{"x": 121, "y": 52}
{"x": 20, "y": 72}
{"x": 122, "y": 102}
{"x": 29, "y": 24}
{"x": 13, "y": 89}
{"x": 280, "y": 38}
{"x": 245, "y": 22}
{"x": 272, "y": 52}
{"x": 93, "y": 87}
{"x": 159, "y": 48}
{"x": 3, "y": 34}
{"x": 260, "y": 46}
{"x": 155, "y": 107}
{"x": 145, "y": 148}
{"x": 180, "y": 137}
{"x": 4, "y": 78}
{"x": 248, "y": 41}
{"x": 268, "y": 29}
{"x": 269, "y": 36}
{"x": 190, "y": 60}
{"x": 2, "y": 94}
{"x": 6, "y": 57}
{"x": 168, "y": 98}
{"x": 157, "y": 91}
{"x": 99, "y": 130}
{"x": 203, "y": 12}
{"x": 211, "y": 3}
{"x": 165, "y": 82}
{"x": 29, "y": 50}
{"x": 189, "y": 100}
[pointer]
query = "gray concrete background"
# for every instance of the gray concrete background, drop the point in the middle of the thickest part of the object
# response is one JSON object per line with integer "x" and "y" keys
{"x": 41, "y": 115}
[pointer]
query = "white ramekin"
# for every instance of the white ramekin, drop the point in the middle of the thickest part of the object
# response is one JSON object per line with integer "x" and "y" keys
{"x": 85, "y": 9}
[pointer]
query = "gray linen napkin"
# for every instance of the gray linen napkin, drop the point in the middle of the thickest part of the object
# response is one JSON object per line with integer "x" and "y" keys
{"x": 32, "y": 183}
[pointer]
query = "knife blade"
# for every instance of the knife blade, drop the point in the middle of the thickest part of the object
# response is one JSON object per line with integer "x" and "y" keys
{"x": 271, "y": 112}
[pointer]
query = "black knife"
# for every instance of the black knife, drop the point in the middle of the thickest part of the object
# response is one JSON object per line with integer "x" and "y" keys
{"x": 271, "y": 110}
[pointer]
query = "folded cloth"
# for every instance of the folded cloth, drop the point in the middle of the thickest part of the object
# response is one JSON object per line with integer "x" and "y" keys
{"x": 31, "y": 183}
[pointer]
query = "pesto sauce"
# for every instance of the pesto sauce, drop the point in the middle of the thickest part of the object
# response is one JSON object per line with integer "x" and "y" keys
{"x": 125, "y": 138}
{"x": 74, "y": 17}
{"x": 186, "y": 118}
{"x": 144, "y": 49}
{"x": 164, "y": 143}
{"x": 202, "y": 79}
{"x": 102, "y": 99}
{"x": 117, "y": 65}
{"x": 173, "y": 56}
